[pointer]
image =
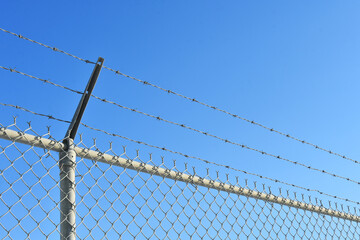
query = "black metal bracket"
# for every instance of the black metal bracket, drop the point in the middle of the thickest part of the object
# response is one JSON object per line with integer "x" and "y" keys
{"x": 75, "y": 122}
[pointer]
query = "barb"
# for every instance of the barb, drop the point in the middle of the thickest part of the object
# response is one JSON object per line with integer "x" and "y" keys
{"x": 41, "y": 79}
{"x": 47, "y": 46}
{"x": 194, "y": 100}
{"x": 185, "y": 155}
{"x": 202, "y": 132}
{"x": 35, "y": 113}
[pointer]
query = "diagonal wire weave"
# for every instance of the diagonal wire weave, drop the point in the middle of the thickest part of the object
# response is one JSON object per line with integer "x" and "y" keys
{"x": 120, "y": 203}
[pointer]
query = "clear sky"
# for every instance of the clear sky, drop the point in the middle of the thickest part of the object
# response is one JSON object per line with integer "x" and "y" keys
{"x": 290, "y": 65}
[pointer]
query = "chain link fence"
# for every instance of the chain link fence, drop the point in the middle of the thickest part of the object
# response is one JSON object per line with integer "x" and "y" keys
{"x": 123, "y": 197}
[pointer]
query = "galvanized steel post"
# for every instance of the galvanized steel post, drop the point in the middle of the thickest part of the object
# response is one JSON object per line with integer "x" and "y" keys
{"x": 67, "y": 191}
{"x": 67, "y": 162}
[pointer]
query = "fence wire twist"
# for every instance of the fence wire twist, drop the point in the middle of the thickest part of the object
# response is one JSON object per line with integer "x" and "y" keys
{"x": 128, "y": 197}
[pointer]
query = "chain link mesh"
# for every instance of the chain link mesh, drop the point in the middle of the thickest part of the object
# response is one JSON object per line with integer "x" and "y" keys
{"x": 115, "y": 202}
{"x": 29, "y": 191}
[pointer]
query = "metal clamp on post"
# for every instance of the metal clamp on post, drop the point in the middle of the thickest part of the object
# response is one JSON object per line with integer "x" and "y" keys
{"x": 67, "y": 162}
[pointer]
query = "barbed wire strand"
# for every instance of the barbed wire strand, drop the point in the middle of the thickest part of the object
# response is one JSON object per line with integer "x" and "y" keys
{"x": 47, "y": 46}
{"x": 227, "y": 140}
{"x": 195, "y": 130}
{"x": 184, "y": 155}
{"x": 189, "y": 98}
{"x": 35, "y": 113}
{"x": 40, "y": 79}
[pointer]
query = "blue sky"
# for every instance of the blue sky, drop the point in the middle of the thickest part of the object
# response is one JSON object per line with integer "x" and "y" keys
{"x": 293, "y": 66}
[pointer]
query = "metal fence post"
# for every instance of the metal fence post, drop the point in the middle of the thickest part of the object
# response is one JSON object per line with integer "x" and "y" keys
{"x": 67, "y": 165}
{"x": 67, "y": 162}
